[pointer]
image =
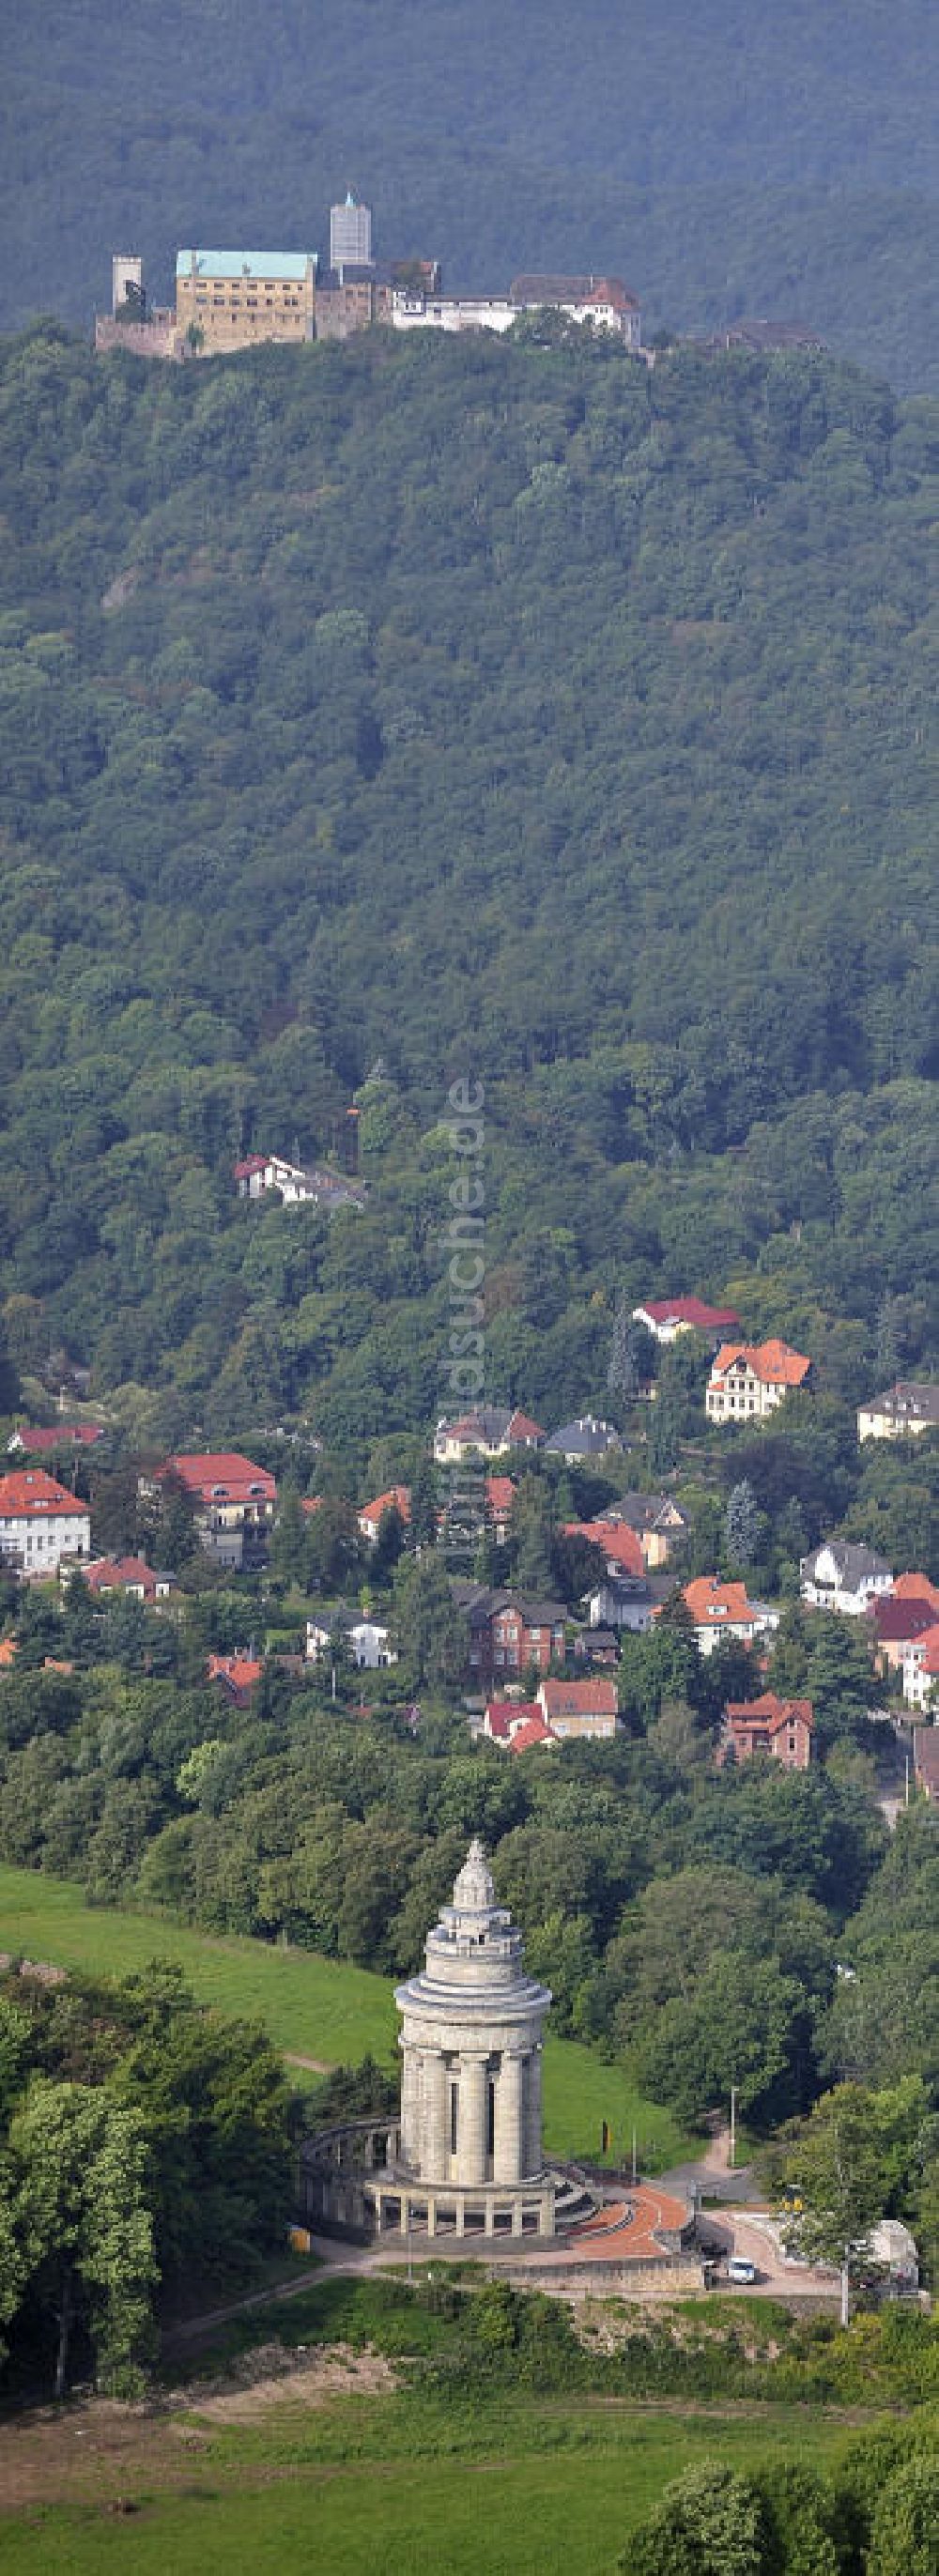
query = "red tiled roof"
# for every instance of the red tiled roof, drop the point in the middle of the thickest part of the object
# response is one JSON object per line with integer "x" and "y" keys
{"x": 397, "y": 1499}
{"x": 31, "y": 1494}
{"x": 223, "y": 1473}
{"x": 773, "y": 1363}
{"x": 252, "y": 1163}
{"x": 769, "y": 1712}
{"x": 927, "y": 1650}
{"x": 618, "y": 1542}
{"x": 311, "y": 1503}
{"x": 579, "y": 1699}
{"x": 716, "y": 1604}
{"x": 500, "y": 1494}
{"x": 241, "y": 1672}
{"x": 504, "y": 1716}
{"x": 916, "y": 1587}
{"x": 690, "y": 1310}
{"x": 533, "y": 1732}
{"x": 521, "y": 1427}
{"x": 38, "y": 1439}
{"x": 111, "y": 1573}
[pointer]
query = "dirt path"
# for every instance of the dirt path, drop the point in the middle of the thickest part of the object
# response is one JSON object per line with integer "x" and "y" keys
{"x": 314, "y": 2065}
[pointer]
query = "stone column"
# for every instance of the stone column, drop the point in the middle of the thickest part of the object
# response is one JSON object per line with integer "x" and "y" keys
{"x": 508, "y": 2161}
{"x": 410, "y": 2106}
{"x": 435, "y": 2129}
{"x": 533, "y": 2157}
{"x": 474, "y": 2120}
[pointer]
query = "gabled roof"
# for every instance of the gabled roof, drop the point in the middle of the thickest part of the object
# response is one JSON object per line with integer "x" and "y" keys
{"x": 537, "y": 289}
{"x": 618, "y": 1542}
{"x": 237, "y": 1672}
{"x": 500, "y": 1494}
{"x": 647, "y": 1512}
{"x": 119, "y": 1573}
{"x": 916, "y": 1587}
{"x": 927, "y": 1649}
{"x": 769, "y": 1713}
{"x": 533, "y": 1732}
{"x": 896, "y": 1622}
{"x": 714, "y": 1604}
{"x": 521, "y": 1428}
{"x": 772, "y": 1363}
{"x": 397, "y": 1499}
{"x": 37, "y": 1439}
{"x": 579, "y": 1699}
{"x": 910, "y": 1400}
{"x": 29, "y": 1494}
{"x": 504, "y": 1716}
{"x": 854, "y": 1561}
{"x": 688, "y": 1310}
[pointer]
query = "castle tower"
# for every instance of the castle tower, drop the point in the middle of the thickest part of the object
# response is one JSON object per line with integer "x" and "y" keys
{"x": 471, "y": 2041}
{"x": 350, "y": 234}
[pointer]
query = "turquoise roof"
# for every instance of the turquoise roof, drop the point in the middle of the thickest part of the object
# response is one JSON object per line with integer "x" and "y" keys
{"x": 244, "y": 263}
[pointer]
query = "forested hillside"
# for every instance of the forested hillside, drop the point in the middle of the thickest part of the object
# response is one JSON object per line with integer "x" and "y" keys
{"x": 380, "y": 714}
{"x": 724, "y": 158}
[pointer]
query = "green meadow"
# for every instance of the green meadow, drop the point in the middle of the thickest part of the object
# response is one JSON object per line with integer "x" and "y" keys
{"x": 314, "y": 2008}
{"x": 543, "y": 2486}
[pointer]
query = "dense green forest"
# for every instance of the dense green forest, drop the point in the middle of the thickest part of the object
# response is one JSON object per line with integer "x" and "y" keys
{"x": 724, "y": 158}
{"x": 378, "y": 715}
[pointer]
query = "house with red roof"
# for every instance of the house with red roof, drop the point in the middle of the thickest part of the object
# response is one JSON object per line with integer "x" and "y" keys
{"x": 721, "y": 1609}
{"x": 580, "y": 1709}
{"x": 237, "y": 1675}
{"x": 748, "y": 1380}
{"x": 500, "y": 1495}
{"x": 920, "y": 1669}
{"x": 41, "y": 1523}
{"x": 128, "y": 1574}
{"x": 666, "y": 1317}
{"x": 897, "y": 1621}
{"x": 503, "y": 1717}
{"x": 534, "y": 1736}
{"x": 397, "y": 1499}
{"x": 622, "y": 1552}
{"x": 779, "y": 1728}
{"x": 36, "y": 1440}
{"x": 234, "y": 1503}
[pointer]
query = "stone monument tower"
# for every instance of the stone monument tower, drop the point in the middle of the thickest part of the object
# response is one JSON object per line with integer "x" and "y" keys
{"x": 471, "y": 2048}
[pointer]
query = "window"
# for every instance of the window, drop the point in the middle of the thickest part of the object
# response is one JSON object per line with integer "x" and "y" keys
{"x": 454, "y": 2117}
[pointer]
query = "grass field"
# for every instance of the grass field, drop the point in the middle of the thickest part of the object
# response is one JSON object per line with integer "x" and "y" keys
{"x": 554, "y": 2491}
{"x": 313, "y": 2007}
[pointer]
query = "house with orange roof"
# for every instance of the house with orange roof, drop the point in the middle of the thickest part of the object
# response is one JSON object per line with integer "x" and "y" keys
{"x": 748, "y": 1380}
{"x": 622, "y": 1552}
{"x": 503, "y": 1717}
{"x": 397, "y": 1499}
{"x": 721, "y": 1609}
{"x": 916, "y": 1587}
{"x": 779, "y": 1728}
{"x": 579, "y": 1709}
{"x": 666, "y": 1317}
{"x": 897, "y": 1621}
{"x": 234, "y": 1502}
{"x": 237, "y": 1675}
{"x": 534, "y": 1735}
{"x": 500, "y": 1495}
{"x": 40, "y": 1523}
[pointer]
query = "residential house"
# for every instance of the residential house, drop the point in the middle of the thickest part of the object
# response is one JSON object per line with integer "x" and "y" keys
{"x": 621, "y": 1601}
{"x": 34, "y": 1440}
{"x": 780, "y": 1728}
{"x": 507, "y": 1634}
{"x": 397, "y": 1499}
{"x": 603, "y": 301}
{"x": 489, "y": 1431}
{"x": 658, "y": 1521}
{"x": 130, "y": 1575}
{"x": 585, "y": 1438}
{"x": 619, "y": 1545}
{"x": 40, "y": 1523}
{"x": 370, "y": 1645}
{"x": 748, "y": 1380}
{"x": 534, "y": 1736}
{"x": 580, "y": 1708}
{"x": 845, "y": 1576}
{"x": 666, "y": 1317}
{"x": 260, "y": 1173}
{"x": 895, "y": 1624}
{"x": 721, "y": 1609}
{"x": 237, "y": 1677}
{"x": 920, "y": 1669}
{"x": 916, "y": 1587}
{"x": 500, "y": 1495}
{"x": 503, "y": 1717}
{"x": 234, "y": 1503}
{"x": 907, "y": 1410}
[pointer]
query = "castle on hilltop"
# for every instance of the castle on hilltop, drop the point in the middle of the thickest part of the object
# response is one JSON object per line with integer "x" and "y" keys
{"x": 234, "y": 299}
